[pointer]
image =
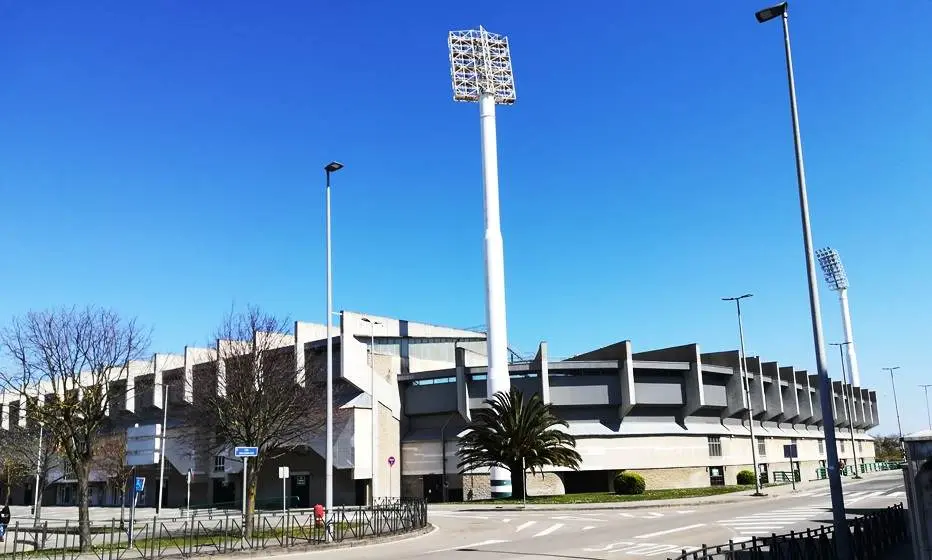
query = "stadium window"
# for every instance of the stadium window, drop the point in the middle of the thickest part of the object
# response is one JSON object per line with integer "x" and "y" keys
{"x": 715, "y": 446}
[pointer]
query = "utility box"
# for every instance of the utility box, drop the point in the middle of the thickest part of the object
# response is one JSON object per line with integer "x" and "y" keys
{"x": 918, "y": 478}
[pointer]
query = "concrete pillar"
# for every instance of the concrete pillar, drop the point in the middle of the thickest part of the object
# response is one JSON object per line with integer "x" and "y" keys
{"x": 773, "y": 394}
{"x": 462, "y": 384}
{"x": 838, "y": 400}
{"x": 789, "y": 394}
{"x": 626, "y": 378}
{"x": 804, "y": 395}
{"x": 544, "y": 373}
{"x": 815, "y": 392}
{"x": 695, "y": 395}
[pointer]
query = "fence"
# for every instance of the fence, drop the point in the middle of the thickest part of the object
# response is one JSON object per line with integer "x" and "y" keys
{"x": 871, "y": 536}
{"x": 192, "y": 534}
{"x": 848, "y": 470}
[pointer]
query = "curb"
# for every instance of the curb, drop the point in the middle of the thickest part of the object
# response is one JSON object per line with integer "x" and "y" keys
{"x": 653, "y": 504}
{"x": 305, "y": 549}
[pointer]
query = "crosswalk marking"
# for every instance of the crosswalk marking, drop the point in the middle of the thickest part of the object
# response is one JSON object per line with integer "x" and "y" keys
{"x": 524, "y": 526}
{"x": 548, "y": 530}
{"x": 668, "y": 531}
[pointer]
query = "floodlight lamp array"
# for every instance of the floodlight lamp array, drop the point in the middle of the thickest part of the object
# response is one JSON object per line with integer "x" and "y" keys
{"x": 480, "y": 62}
{"x": 834, "y": 271}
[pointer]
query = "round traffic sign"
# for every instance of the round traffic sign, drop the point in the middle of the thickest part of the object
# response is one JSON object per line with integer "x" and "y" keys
{"x": 391, "y": 461}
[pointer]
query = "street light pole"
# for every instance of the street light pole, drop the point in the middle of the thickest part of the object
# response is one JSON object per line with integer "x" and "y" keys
{"x": 158, "y": 507}
{"x": 928, "y": 412}
{"x": 375, "y": 402}
{"x": 848, "y": 396}
{"x": 743, "y": 367}
{"x": 842, "y": 536}
{"x": 331, "y": 167}
{"x": 896, "y": 405}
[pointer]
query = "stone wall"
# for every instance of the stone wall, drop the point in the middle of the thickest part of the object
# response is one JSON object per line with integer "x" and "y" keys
{"x": 545, "y": 484}
{"x": 476, "y": 487}
{"x": 684, "y": 477}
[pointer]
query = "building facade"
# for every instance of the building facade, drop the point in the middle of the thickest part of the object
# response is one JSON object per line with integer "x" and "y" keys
{"x": 675, "y": 415}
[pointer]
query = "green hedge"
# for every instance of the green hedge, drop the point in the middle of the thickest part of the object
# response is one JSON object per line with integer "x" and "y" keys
{"x": 629, "y": 483}
{"x": 745, "y": 477}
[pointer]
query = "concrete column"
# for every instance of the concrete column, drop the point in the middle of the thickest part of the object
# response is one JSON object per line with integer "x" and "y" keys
{"x": 838, "y": 400}
{"x": 626, "y": 378}
{"x": 804, "y": 395}
{"x": 756, "y": 387}
{"x": 815, "y": 392}
{"x": 773, "y": 395}
{"x": 695, "y": 395}
{"x": 544, "y": 373}
{"x": 462, "y": 385}
{"x": 789, "y": 394}
{"x": 130, "y": 395}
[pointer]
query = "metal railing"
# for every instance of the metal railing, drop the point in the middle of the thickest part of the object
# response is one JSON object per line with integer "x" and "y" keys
{"x": 849, "y": 470}
{"x": 872, "y": 535}
{"x": 191, "y": 535}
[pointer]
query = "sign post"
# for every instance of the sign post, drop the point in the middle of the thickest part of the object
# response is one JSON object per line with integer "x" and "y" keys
{"x": 245, "y": 453}
{"x": 391, "y": 464}
{"x": 284, "y": 473}
{"x": 188, "y": 477}
{"x": 790, "y": 452}
{"x": 139, "y": 485}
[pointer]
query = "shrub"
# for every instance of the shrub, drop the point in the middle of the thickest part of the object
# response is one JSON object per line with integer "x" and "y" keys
{"x": 629, "y": 483}
{"x": 745, "y": 477}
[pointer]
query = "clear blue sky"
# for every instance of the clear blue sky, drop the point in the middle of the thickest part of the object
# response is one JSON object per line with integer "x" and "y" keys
{"x": 165, "y": 159}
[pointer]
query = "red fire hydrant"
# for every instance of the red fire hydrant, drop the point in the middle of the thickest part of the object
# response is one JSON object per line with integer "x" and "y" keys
{"x": 318, "y": 515}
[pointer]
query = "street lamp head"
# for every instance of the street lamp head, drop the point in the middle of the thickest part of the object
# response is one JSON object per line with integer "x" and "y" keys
{"x": 333, "y": 166}
{"x": 370, "y": 321}
{"x": 768, "y": 14}
{"x": 737, "y": 298}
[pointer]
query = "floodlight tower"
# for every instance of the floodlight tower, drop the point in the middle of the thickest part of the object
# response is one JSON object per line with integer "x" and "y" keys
{"x": 838, "y": 281}
{"x": 480, "y": 66}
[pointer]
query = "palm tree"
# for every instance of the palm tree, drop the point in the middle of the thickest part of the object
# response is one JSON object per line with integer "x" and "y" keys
{"x": 514, "y": 428}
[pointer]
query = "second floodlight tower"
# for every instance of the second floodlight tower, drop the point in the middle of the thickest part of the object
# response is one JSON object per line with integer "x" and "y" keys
{"x": 837, "y": 280}
{"x": 480, "y": 65}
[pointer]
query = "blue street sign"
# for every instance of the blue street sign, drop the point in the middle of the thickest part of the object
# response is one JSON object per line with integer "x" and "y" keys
{"x": 790, "y": 451}
{"x": 246, "y": 452}
{"x": 140, "y": 484}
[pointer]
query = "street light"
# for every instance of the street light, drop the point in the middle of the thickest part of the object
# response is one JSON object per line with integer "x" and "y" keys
{"x": 743, "y": 367}
{"x": 331, "y": 167}
{"x": 925, "y": 388}
{"x": 848, "y": 396}
{"x": 480, "y": 69}
{"x": 896, "y": 405}
{"x": 375, "y": 401}
{"x": 837, "y": 281}
{"x": 842, "y": 536}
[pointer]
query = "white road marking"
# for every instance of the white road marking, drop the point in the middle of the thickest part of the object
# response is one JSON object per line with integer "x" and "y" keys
{"x": 608, "y": 547}
{"x": 652, "y": 515}
{"x": 506, "y": 520}
{"x": 474, "y": 545}
{"x": 548, "y": 530}
{"x": 648, "y": 549}
{"x": 588, "y": 527}
{"x": 668, "y": 531}
{"x": 896, "y": 494}
{"x": 685, "y": 511}
{"x": 524, "y": 526}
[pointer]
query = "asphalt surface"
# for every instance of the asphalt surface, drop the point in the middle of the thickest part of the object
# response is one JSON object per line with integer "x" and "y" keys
{"x": 652, "y": 532}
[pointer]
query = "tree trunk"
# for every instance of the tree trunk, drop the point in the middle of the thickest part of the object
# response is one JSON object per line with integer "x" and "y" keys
{"x": 251, "y": 484}
{"x": 122, "y": 505}
{"x": 84, "y": 523}
{"x": 517, "y": 482}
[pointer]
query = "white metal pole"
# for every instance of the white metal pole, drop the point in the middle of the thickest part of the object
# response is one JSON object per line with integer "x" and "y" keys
{"x": 284, "y": 496}
{"x": 329, "y": 447}
{"x": 848, "y": 395}
{"x": 928, "y": 411}
{"x": 524, "y": 482}
{"x": 747, "y": 393}
{"x": 375, "y": 409}
{"x": 839, "y": 519}
{"x": 158, "y": 507}
{"x": 245, "y": 482}
{"x": 849, "y": 338}
{"x": 188, "y": 492}
{"x": 498, "y": 379}
{"x": 35, "y": 511}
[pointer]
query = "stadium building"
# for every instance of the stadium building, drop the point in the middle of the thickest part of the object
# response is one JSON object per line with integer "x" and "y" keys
{"x": 676, "y": 415}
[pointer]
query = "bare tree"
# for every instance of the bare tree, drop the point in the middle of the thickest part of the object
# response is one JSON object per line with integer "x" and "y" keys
{"x": 258, "y": 400}
{"x": 22, "y": 444}
{"x": 110, "y": 461}
{"x": 71, "y": 357}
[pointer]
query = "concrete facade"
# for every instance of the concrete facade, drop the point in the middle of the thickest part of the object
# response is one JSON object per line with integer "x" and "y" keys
{"x": 676, "y": 415}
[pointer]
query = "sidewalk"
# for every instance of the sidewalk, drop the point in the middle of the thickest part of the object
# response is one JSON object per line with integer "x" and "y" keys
{"x": 771, "y": 492}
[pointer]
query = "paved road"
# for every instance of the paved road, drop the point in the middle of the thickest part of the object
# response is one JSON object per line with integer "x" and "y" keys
{"x": 581, "y": 534}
